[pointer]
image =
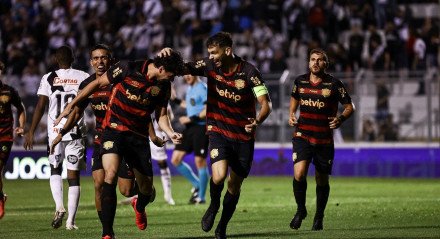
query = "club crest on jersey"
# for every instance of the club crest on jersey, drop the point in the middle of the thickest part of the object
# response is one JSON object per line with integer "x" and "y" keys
{"x": 239, "y": 84}
{"x": 155, "y": 90}
{"x": 200, "y": 63}
{"x": 72, "y": 159}
{"x": 294, "y": 89}
{"x": 113, "y": 125}
{"x": 214, "y": 153}
{"x": 4, "y": 148}
{"x": 326, "y": 92}
{"x": 108, "y": 145}
{"x": 255, "y": 80}
{"x": 294, "y": 156}
{"x": 4, "y": 98}
{"x": 209, "y": 127}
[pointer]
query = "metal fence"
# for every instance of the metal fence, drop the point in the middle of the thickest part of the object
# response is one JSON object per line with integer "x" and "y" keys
{"x": 415, "y": 116}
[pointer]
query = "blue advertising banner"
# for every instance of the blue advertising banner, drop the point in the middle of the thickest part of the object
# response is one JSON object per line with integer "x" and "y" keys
{"x": 351, "y": 161}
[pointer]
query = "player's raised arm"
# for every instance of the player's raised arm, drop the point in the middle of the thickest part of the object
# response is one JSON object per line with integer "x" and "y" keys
{"x": 84, "y": 94}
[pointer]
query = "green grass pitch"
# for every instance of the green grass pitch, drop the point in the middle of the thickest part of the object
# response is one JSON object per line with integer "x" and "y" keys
{"x": 357, "y": 208}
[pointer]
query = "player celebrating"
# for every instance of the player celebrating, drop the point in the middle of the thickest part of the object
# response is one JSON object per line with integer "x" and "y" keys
{"x": 139, "y": 89}
{"x": 317, "y": 95}
{"x": 234, "y": 88}
{"x": 8, "y": 97}
{"x": 57, "y": 88}
{"x": 194, "y": 138}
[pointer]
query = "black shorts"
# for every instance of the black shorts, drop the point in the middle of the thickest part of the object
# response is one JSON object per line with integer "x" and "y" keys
{"x": 133, "y": 148}
{"x": 321, "y": 155}
{"x": 123, "y": 171}
{"x": 194, "y": 139}
{"x": 5, "y": 151}
{"x": 238, "y": 154}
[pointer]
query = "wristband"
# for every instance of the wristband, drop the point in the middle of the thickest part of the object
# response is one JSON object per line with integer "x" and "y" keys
{"x": 341, "y": 118}
{"x": 63, "y": 131}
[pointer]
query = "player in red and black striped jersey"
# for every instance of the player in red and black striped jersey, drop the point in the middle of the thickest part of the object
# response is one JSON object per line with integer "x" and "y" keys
{"x": 234, "y": 88}
{"x": 139, "y": 89}
{"x": 317, "y": 95}
{"x": 8, "y": 97}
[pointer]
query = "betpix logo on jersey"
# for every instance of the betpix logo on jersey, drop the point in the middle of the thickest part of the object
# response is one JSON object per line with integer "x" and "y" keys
{"x": 313, "y": 103}
{"x": 229, "y": 95}
{"x": 60, "y": 82}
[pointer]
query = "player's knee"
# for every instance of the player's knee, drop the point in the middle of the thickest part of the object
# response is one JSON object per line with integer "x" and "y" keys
{"x": 200, "y": 162}
{"x": 56, "y": 171}
{"x": 73, "y": 182}
{"x": 125, "y": 191}
{"x": 162, "y": 164}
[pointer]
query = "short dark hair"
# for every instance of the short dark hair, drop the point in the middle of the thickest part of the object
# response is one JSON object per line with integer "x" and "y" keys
{"x": 221, "y": 39}
{"x": 102, "y": 47}
{"x": 64, "y": 55}
{"x": 172, "y": 63}
{"x": 319, "y": 51}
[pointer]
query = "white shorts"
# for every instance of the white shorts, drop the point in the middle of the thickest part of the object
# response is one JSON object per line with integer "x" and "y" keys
{"x": 158, "y": 153}
{"x": 73, "y": 151}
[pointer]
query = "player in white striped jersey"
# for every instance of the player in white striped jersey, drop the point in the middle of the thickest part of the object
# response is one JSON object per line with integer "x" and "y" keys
{"x": 57, "y": 89}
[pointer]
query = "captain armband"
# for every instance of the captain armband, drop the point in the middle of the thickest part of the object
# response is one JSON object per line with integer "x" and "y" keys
{"x": 260, "y": 90}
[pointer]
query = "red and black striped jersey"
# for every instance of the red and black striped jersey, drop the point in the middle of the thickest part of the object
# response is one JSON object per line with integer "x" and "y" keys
{"x": 8, "y": 97}
{"x": 134, "y": 97}
{"x": 318, "y": 102}
{"x": 98, "y": 102}
{"x": 231, "y": 100}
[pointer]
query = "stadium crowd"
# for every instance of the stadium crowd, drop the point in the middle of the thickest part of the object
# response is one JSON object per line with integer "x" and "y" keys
{"x": 372, "y": 34}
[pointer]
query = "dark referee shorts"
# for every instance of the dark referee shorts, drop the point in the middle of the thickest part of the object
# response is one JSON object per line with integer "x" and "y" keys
{"x": 321, "y": 155}
{"x": 123, "y": 171}
{"x": 5, "y": 151}
{"x": 194, "y": 139}
{"x": 238, "y": 154}
{"x": 135, "y": 149}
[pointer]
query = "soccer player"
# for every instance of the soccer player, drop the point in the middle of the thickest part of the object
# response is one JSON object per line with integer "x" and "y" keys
{"x": 8, "y": 97}
{"x": 57, "y": 88}
{"x": 100, "y": 60}
{"x": 234, "y": 88}
{"x": 194, "y": 138}
{"x": 317, "y": 95}
{"x": 139, "y": 89}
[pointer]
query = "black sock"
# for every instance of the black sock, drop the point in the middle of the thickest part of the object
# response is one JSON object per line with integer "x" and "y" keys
{"x": 322, "y": 193}
{"x": 134, "y": 190}
{"x": 1, "y": 194}
{"x": 142, "y": 202}
{"x": 299, "y": 191}
{"x": 100, "y": 216}
{"x": 108, "y": 203}
{"x": 229, "y": 204}
{"x": 215, "y": 192}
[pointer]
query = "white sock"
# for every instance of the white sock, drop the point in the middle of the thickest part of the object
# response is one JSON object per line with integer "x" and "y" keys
{"x": 73, "y": 201}
{"x": 56, "y": 187}
{"x": 165, "y": 176}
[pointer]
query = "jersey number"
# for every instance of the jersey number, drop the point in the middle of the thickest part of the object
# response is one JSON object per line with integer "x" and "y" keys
{"x": 62, "y": 102}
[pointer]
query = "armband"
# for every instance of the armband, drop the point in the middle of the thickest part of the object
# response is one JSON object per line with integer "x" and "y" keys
{"x": 63, "y": 131}
{"x": 260, "y": 90}
{"x": 341, "y": 118}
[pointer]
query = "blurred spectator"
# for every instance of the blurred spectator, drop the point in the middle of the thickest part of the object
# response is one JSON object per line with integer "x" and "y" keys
{"x": 382, "y": 101}
{"x": 278, "y": 63}
{"x": 353, "y": 43}
{"x": 295, "y": 16}
{"x": 374, "y": 47}
{"x": 388, "y": 130}
{"x": 368, "y": 131}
